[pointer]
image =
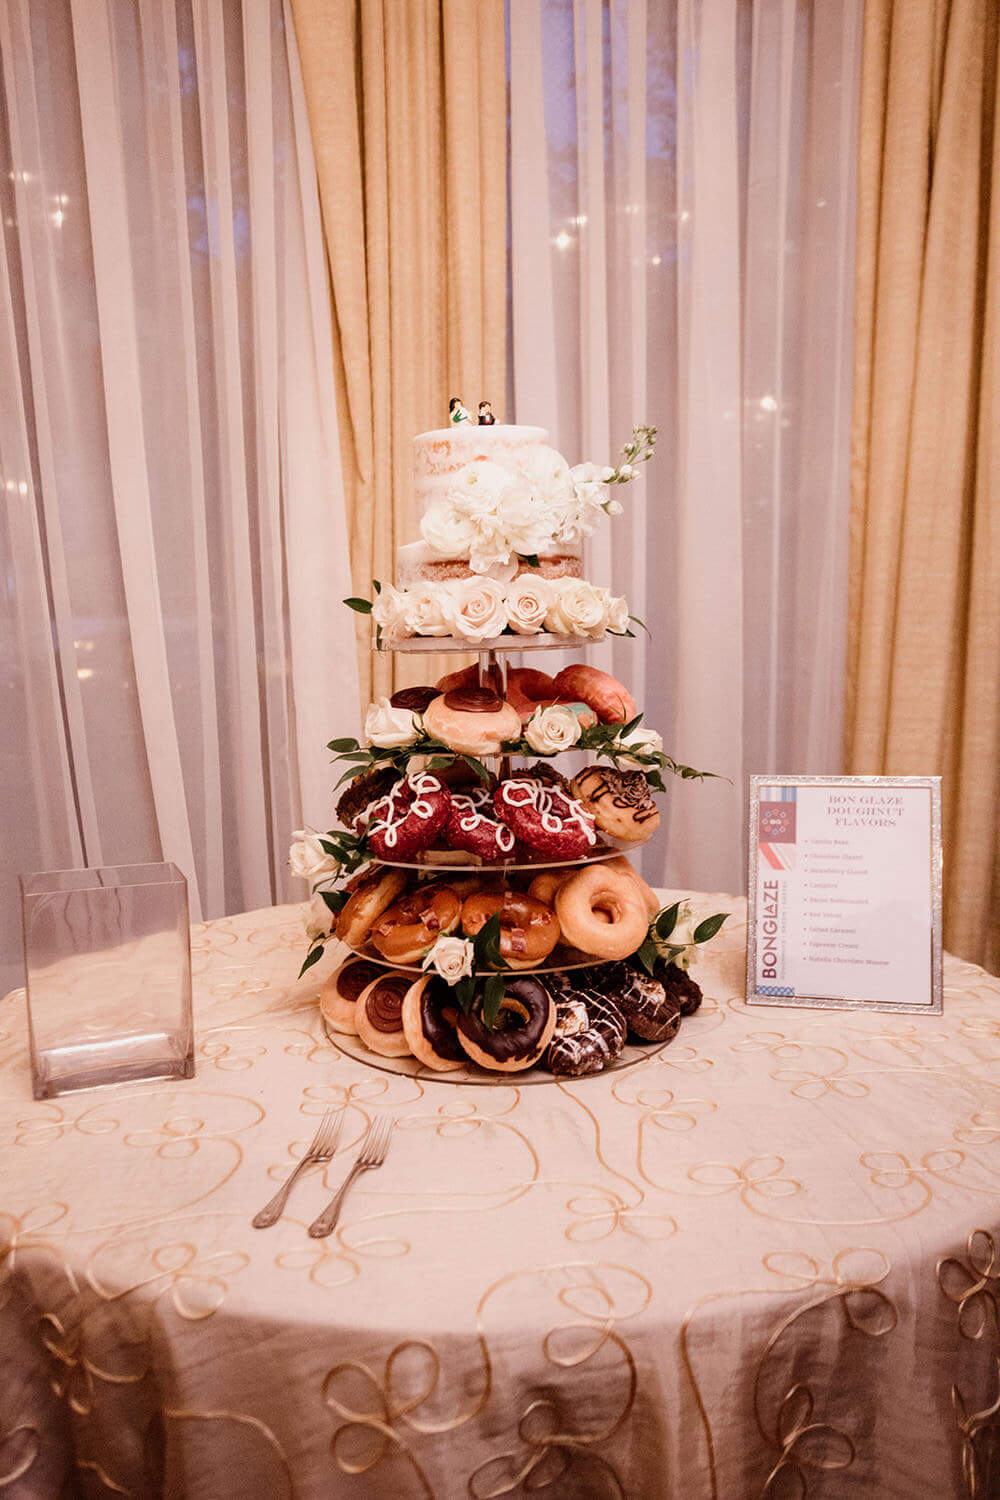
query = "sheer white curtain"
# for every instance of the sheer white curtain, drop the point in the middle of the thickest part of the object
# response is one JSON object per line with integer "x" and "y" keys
{"x": 682, "y": 221}
{"x": 173, "y": 541}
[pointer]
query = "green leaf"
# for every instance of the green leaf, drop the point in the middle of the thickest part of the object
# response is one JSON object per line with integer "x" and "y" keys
{"x": 707, "y": 929}
{"x": 341, "y": 747}
{"x": 493, "y": 993}
{"x": 642, "y": 625}
{"x": 335, "y": 900}
{"x": 361, "y": 606}
{"x": 465, "y": 993}
{"x": 486, "y": 944}
{"x": 531, "y": 558}
{"x": 647, "y": 955}
{"x": 376, "y": 586}
{"x": 478, "y": 767}
{"x": 626, "y": 729}
{"x": 312, "y": 957}
{"x": 666, "y": 920}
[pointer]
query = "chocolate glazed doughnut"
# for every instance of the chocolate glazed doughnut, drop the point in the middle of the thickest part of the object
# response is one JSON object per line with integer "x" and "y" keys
{"x": 589, "y": 1033}
{"x": 379, "y": 1015}
{"x": 523, "y": 1030}
{"x": 650, "y": 1012}
{"x": 429, "y": 1015}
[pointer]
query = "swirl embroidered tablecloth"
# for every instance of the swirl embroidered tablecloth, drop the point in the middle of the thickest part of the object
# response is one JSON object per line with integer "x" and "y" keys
{"x": 764, "y": 1262}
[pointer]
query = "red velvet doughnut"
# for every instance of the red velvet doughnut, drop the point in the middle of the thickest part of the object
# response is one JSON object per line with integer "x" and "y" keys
{"x": 473, "y": 826}
{"x": 544, "y": 818}
{"x": 409, "y": 817}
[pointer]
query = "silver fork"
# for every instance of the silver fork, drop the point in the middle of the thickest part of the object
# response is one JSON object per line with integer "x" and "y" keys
{"x": 321, "y": 1148}
{"x": 371, "y": 1155}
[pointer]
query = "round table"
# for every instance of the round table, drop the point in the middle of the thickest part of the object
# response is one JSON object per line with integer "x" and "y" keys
{"x": 763, "y": 1262}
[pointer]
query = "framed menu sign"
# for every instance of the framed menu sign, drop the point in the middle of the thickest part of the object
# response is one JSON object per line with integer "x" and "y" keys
{"x": 845, "y": 892}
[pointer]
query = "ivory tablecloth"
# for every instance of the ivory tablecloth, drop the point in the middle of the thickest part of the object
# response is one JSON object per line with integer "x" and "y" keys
{"x": 763, "y": 1263}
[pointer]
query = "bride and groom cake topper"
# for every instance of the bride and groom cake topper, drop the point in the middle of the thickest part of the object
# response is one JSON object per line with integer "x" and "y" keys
{"x": 457, "y": 414}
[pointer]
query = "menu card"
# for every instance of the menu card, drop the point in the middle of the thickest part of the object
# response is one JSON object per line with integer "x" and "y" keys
{"x": 845, "y": 892}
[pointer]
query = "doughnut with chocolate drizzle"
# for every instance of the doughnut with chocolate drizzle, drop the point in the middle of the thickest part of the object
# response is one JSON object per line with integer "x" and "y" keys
{"x": 619, "y": 802}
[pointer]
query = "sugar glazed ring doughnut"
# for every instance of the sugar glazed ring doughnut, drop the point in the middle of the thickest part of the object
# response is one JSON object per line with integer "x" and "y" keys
{"x": 409, "y": 818}
{"x": 407, "y": 930}
{"x": 473, "y": 826}
{"x": 523, "y": 1030}
{"x": 339, "y": 995}
{"x": 379, "y": 1015}
{"x": 472, "y": 720}
{"x": 589, "y": 1032}
{"x": 611, "y": 702}
{"x": 602, "y": 912}
{"x": 650, "y": 1012}
{"x": 371, "y": 893}
{"x": 545, "y": 885}
{"x": 529, "y": 930}
{"x": 544, "y": 818}
{"x": 622, "y": 865}
{"x": 429, "y": 1023}
{"x": 620, "y": 802}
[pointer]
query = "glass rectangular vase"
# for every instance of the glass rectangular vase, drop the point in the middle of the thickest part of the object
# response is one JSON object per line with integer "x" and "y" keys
{"x": 107, "y": 958}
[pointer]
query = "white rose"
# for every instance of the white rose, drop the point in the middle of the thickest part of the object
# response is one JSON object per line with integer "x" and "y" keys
{"x": 451, "y": 957}
{"x": 389, "y": 727}
{"x": 389, "y": 613}
{"x": 528, "y": 598}
{"x": 551, "y": 729}
{"x": 577, "y": 609}
{"x": 682, "y": 937}
{"x": 476, "y": 609}
{"x": 317, "y": 920}
{"x": 644, "y": 742}
{"x": 424, "y": 610}
{"x": 616, "y": 616}
{"x": 446, "y": 530}
{"x": 308, "y": 859}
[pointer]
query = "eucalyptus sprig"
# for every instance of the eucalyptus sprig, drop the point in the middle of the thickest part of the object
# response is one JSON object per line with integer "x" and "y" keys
{"x": 606, "y": 742}
{"x": 656, "y": 946}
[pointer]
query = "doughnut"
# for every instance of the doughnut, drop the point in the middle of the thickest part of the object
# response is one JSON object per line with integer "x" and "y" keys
{"x": 469, "y": 677}
{"x": 362, "y": 792}
{"x": 650, "y": 1012}
{"x": 528, "y": 689}
{"x": 338, "y": 997}
{"x": 611, "y": 702}
{"x": 620, "y": 802}
{"x": 408, "y": 929}
{"x": 544, "y": 818}
{"x": 601, "y": 912}
{"x": 544, "y": 886}
{"x": 529, "y": 930}
{"x": 409, "y": 818}
{"x": 624, "y": 867}
{"x": 589, "y": 1032}
{"x": 428, "y": 1023}
{"x": 371, "y": 893}
{"x": 379, "y": 1015}
{"x": 680, "y": 987}
{"x": 472, "y": 720}
{"x": 415, "y": 699}
{"x": 473, "y": 826}
{"x": 522, "y": 1033}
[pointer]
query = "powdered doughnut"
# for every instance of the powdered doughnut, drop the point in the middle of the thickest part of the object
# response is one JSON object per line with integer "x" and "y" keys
{"x": 371, "y": 893}
{"x": 644, "y": 1003}
{"x": 408, "y": 929}
{"x": 612, "y": 703}
{"x": 619, "y": 802}
{"x": 544, "y": 818}
{"x": 409, "y": 818}
{"x": 601, "y": 912}
{"x": 428, "y": 1012}
{"x": 473, "y": 826}
{"x": 529, "y": 930}
{"x": 339, "y": 995}
{"x": 472, "y": 721}
{"x": 379, "y": 1015}
{"x": 523, "y": 1031}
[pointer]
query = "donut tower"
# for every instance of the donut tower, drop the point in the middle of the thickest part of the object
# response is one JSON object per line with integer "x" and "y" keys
{"x": 491, "y": 922}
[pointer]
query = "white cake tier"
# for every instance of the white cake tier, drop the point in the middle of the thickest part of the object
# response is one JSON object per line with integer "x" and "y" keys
{"x": 439, "y": 455}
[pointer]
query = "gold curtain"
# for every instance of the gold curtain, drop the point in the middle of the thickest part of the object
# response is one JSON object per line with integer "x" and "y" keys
{"x": 407, "y": 108}
{"x": 923, "y": 691}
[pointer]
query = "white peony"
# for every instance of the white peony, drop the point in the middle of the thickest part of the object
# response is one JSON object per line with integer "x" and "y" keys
{"x": 424, "y": 610}
{"x": 643, "y": 742}
{"x": 389, "y": 613}
{"x": 451, "y": 957}
{"x": 552, "y": 729}
{"x": 525, "y": 522}
{"x": 476, "y": 609}
{"x": 548, "y": 475}
{"x": 576, "y": 609}
{"x": 446, "y": 530}
{"x": 317, "y": 920}
{"x": 388, "y": 727}
{"x": 476, "y": 489}
{"x": 528, "y": 598}
{"x": 616, "y": 615}
{"x": 309, "y": 860}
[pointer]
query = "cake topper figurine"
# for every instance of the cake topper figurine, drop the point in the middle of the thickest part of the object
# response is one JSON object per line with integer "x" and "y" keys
{"x": 457, "y": 412}
{"x": 486, "y": 417}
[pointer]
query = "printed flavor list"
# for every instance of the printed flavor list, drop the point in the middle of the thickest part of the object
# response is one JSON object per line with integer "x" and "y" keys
{"x": 844, "y": 893}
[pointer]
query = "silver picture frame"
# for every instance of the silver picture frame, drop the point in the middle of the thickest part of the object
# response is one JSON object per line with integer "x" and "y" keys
{"x": 823, "y": 1002}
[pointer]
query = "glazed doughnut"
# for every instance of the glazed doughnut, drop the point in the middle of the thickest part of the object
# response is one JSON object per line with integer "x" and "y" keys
{"x": 472, "y": 720}
{"x": 469, "y": 677}
{"x": 650, "y": 1012}
{"x": 409, "y": 818}
{"x": 544, "y": 818}
{"x": 473, "y": 826}
{"x": 371, "y": 893}
{"x": 429, "y": 1024}
{"x": 522, "y": 1033}
{"x": 529, "y": 930}
{"x": 624, "y": 867}
{"x": 379, "y": 1015}
{"x": 611, "y": 702}
{"x": 407, "y": 930}
{"x": 620, "y": 802}
{"x": 601, "y": 912}
{"x": 589, "y": 1032}
{"x": 338, "y": 997}
{"x": 544, "y": 886}
{"x": 528, "y": 689}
